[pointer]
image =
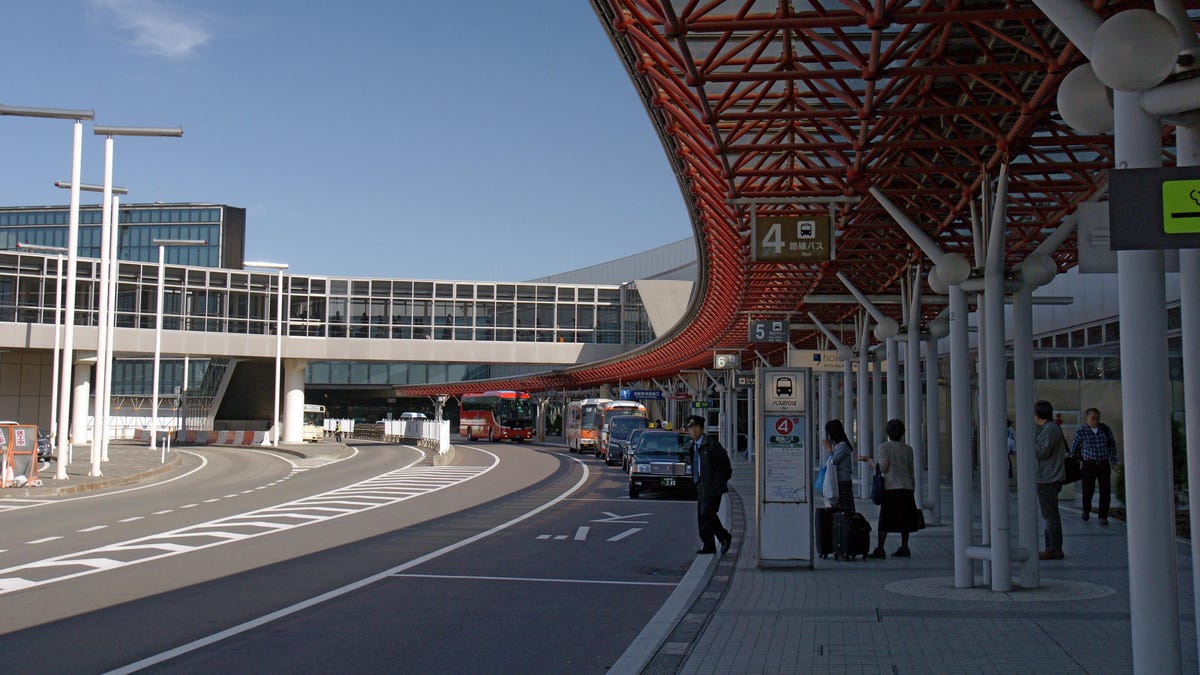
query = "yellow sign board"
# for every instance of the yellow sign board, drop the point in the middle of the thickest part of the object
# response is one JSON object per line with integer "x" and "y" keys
{"x": 1181, "y": 206}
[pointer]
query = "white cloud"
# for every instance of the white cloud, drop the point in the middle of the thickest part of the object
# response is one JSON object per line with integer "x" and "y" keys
{"x": 157, "y": 28}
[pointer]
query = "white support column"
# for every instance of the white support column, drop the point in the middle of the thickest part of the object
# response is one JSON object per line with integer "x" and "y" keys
{"x": 893, "y": 380}
{"x": 823, "y": 387}
{"x": 866, "y": 430}
{"x": 960, "y": 439}
{"x": 1188, "y": 139}
{"x": 980, "y": 449}
{"x": 1150, "y": 509}
{"x": 912, "y": 394}
{"x": 79, "y": 404}
{"x": 293, "y": 400}
{"x": 997, "y": 394}
{"x": 1025, "y": 462}
{"x": 933, "y": 495}
{"x": 848, "y": 399}
{"x": 877, "y": 401}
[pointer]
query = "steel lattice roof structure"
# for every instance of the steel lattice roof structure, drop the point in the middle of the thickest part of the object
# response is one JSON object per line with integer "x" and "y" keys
{"x": 801, "y": 99}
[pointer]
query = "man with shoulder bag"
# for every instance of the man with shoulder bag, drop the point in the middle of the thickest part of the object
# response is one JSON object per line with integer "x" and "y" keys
{"x": 1095, "y": 446}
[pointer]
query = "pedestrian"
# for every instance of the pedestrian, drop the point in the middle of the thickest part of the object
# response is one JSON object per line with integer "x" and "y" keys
{"x": 1095, "y": 446}
{"x": 337, "y": 434}
{"x": 1012, "y": 446}
{"x": 898, "y": 512}
{"x": 711, "y": 472}
{"x": 1050, "y": 448}
{"x": 837, "y": 443}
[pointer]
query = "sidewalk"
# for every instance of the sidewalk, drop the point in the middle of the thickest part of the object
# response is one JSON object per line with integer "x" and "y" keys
{"x": 131, "y": 462}
{"x": 904, "y": 615}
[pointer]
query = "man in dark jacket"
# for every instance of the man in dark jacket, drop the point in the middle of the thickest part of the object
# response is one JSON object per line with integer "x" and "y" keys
{"x": 711, "y": 472}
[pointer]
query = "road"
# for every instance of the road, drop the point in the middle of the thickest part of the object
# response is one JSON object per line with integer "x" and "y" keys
{"x": 511, "y": 558}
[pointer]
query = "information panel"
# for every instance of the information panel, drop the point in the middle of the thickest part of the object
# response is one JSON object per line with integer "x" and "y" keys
{"x": 785, "y": 469}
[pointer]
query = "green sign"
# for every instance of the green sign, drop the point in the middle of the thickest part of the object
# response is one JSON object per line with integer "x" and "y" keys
{"x": 1181, "y": 206}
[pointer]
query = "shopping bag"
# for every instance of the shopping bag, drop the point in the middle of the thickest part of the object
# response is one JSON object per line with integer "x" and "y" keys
{"x": 819, "y": 483}
{"x": 829, "y": 490}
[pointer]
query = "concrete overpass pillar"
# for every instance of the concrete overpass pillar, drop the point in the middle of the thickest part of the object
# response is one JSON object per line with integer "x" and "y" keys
{"x": 293, "y": 400}
{"x": 79, "y": 402}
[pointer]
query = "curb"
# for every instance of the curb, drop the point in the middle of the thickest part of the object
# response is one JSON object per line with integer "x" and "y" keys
{"x": 646, "y": 653}
{"x": 89, "y": 485}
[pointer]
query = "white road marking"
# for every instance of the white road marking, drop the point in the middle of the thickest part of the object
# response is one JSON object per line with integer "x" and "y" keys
{"x": 560, "y": 537}
{"x": 614, "y": 518}
{"x": 627, "y": 533}
{"x": 130, "y": 520}
{"x": 159, "y": 513}
{"x": 189, "y": 506}
{"x": 581, "y": 533}
{"x": 42, "y": 541}
{"x": 229, "y": 496}
{"x": 92, "y": 529}
{"x": 277, "y": 518}
{"x": 209, "y": 501}
{"x": 546, "y": 579}
{"x": 545, "y": 536}
{"x": 348, "y": 588}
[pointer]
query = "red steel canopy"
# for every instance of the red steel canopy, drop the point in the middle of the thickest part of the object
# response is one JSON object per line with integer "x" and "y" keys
{"x": 789, "y": 101}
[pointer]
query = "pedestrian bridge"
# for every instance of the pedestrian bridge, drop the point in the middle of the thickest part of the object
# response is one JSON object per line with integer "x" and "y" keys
{"x": 217, "y": 313}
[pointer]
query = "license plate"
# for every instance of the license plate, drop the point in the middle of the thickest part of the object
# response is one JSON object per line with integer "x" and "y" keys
{"x": 668, "y": 482}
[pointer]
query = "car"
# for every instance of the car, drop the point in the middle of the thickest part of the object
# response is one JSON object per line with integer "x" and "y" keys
{"x": 662, "y": 462}
{"x": 413, "y": 416}
{"x": 631, "y": 446}
{"x": 619, "y": 429}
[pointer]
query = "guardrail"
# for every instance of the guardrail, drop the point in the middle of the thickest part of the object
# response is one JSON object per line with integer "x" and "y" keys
{"x": 429, "y": 434}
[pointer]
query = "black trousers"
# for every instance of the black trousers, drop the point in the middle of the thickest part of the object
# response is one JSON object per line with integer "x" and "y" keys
{"x": 1098, "y": 470}
{"x": 709, "y": 522}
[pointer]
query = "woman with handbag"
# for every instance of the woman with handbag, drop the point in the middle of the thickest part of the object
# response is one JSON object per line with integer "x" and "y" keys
{"x": 838, "y": 445}
{"x": 898, "y": 510}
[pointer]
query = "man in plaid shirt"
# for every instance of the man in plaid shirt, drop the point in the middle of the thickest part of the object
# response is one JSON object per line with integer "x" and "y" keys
{"x": 1099, "y": 454}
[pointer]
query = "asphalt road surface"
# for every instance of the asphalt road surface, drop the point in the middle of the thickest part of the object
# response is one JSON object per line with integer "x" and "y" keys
{"x": 512, "y": 558}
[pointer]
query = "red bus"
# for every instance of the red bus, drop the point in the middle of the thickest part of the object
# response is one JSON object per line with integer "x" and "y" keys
{"x": 497, "y": 415}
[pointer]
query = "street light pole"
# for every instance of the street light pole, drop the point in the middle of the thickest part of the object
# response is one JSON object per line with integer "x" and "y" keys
{"x": 278, "y": 336}
{"x": 158, "y": 317}
{"x": 72, "y": 260}
{"x": 58, "y": 290}
{"x": 104, "y": 355}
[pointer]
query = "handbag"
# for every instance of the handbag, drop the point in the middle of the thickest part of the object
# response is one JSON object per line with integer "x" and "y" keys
{"x": 819, "y": 483}
{"x": 877, "y": 487}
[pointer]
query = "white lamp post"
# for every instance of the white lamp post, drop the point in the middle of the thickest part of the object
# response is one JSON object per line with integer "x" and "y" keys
{"x": 72, "y": 259}
{"x": 158, "y": 317}
{"x": 278, "y": 335}
{"x": 104, "y": 351}
{"x": 104, "y": 321}
{"x": 59, "y": 250}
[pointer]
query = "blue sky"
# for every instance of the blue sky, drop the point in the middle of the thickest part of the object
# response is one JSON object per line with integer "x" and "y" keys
{"x": 451, "y": 140}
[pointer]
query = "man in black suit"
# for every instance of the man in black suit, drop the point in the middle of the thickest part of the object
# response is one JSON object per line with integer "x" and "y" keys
{"x": 711, "y": 472}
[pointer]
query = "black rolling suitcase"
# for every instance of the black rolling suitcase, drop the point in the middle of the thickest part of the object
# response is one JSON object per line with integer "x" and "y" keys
{"x": 824, "y": 533}
{"x": 851, "y": 535}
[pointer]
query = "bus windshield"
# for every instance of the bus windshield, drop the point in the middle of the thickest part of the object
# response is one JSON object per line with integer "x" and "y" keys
{"x": 314, "y": 415}
{"x": 590, "y": 419}
{"x": 514, "y": 413}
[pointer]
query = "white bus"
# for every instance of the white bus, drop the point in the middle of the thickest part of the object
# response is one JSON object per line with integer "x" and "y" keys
{"x": 314, "y": 422}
